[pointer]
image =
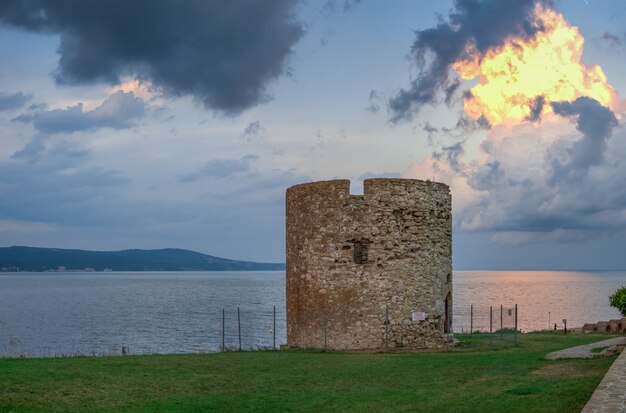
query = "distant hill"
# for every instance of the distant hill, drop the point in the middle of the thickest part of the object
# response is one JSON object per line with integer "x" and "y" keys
{"x": 169, "y": 259}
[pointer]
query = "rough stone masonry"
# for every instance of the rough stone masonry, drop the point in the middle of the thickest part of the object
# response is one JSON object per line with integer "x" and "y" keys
{"x": 369, "y": 271}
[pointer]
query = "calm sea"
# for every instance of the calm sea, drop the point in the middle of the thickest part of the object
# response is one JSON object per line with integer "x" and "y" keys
{"x": 46, "y": 314}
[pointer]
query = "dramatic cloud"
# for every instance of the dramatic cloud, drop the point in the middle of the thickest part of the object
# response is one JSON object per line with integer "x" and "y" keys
{"x": 119, "y": 111}
{"x": 222, "y": 53}
{"x": 556, "y": 180}
{"x": 473, "y": 26}
{"x": 13, "y": 101}
{"x": 550, "y": 163}
{"x": 220, "y": 168}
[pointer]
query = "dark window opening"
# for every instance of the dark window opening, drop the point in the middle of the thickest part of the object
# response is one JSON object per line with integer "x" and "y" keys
{"x": 360, "y": 253}
{"x": 449, "y": 278}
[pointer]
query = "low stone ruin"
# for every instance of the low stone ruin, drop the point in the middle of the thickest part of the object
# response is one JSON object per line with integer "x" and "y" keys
{"x": 611, "y": 326}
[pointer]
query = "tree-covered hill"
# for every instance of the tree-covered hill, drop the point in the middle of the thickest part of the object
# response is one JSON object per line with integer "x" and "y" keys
{"x": 169, "y": 259}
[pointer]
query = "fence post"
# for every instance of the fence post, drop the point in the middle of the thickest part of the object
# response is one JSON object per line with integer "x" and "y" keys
{"x": 239, "y": 327}
{"x": 386, "y": 326}
{"x": 501, "y": 321}
{"x": 223, "y": 329}
{"x": 325, "y": 328}
{"x": 274, "y": 329}
{"x": 471, "y": 319}
{"x": 515, "y": 324}
{"x": 490, "y": 324}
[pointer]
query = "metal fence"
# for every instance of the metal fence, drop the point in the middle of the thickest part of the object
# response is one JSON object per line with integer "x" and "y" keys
{"x": 497, "y": 324}
{"x": 250, "y": 329}
{"x": 498, "y": 321}
{"x": 258, "y": 327}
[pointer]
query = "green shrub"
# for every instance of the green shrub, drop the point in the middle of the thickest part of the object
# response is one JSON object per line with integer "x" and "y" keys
{"x": 618, "y": 300}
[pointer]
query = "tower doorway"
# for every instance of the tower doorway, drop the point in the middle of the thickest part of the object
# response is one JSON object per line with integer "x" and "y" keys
{"x": 447, "y": 318}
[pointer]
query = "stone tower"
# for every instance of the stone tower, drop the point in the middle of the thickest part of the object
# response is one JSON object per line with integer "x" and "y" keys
{"x": 369, "y": 271}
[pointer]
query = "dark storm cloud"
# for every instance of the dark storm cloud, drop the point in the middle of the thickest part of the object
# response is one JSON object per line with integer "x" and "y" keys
{"x": 10, "y": 101}
{"x": 483, "y": 24}
{"x": 220, "y": 168}
{"x": 224, "y": 53}
{"x": 596, "y": 123}
{"x": 119, "y": 111}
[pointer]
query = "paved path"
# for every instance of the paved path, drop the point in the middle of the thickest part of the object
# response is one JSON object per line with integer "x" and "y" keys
{"x": 585, "y": 351}
{"x": 610, "y": 395}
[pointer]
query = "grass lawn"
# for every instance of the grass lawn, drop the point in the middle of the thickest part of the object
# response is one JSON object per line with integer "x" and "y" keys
{"x": 599, "y": 349}
{"x": 470, "y": 379}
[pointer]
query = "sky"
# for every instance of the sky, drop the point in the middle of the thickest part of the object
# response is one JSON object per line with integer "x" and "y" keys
{"x": 158, "y": 124}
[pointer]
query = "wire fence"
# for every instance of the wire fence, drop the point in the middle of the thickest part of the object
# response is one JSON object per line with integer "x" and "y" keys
{"x": 485, "y": 319}
{"x": 250, "y": 329}
{"x": 261, "y": 327}
{"x": 392, "y": 327}
{"x": 498, "y": 321}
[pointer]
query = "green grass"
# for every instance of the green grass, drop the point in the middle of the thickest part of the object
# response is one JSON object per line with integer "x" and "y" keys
{"x": 599, "y": 349}
{"x": 470, "y": 379}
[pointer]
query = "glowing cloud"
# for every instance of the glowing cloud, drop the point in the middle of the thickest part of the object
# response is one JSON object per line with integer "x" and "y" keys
{"x": 515, "y": 80}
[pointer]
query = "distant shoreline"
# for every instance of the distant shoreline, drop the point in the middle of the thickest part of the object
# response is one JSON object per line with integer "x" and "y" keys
{"x": 123, "y": 271}
{"x": 29, "y": 259}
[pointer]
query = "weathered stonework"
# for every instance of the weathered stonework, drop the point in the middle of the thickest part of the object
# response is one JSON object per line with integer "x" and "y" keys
{"x": 354, "y": 262}
{"x": 611, "y": 326}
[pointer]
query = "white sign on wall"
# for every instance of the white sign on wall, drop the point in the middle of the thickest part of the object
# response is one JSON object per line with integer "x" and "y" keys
{"x": 418, "y": 316}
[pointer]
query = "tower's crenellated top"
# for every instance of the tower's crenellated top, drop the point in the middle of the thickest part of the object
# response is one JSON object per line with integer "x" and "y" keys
{"x": 372, "y": 184}
{"x": 379, "y": 189}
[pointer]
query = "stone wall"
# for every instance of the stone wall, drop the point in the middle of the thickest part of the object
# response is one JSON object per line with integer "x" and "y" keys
{"x": 611, "y": 326}
{"x": 354, "y": 262}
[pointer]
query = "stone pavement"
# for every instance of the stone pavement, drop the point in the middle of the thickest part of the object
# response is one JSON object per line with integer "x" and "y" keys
{"x": 585, "y": 350}
{"x": 610, "y": 395}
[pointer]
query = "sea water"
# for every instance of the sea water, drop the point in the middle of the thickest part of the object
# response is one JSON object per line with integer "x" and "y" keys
{"x": 48, "y": 314}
